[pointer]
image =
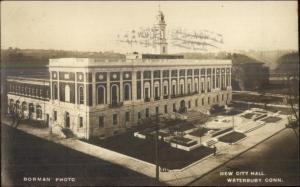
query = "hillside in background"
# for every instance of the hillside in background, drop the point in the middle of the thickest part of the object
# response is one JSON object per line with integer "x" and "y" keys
{"x": 39, "y": 57}
{"x": 14, "y": 57}
{"x": 270, "y": 58}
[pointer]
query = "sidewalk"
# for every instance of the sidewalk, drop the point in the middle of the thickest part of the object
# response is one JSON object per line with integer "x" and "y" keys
{"x": 225, "y": 153}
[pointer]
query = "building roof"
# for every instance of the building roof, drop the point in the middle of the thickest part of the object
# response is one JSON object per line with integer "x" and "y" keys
{"x": 134, "y": 62}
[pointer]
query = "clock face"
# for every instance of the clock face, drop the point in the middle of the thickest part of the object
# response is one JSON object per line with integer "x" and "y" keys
{"x": 227, "y": 70}
{"x": 126, "y": 75}
{"x": 54, "y": 75}
{"x": 80, "y": 77}
{"x": 101, "y": 77}
{"x": 114, "y": 76}
{"x": 222, "y": 70}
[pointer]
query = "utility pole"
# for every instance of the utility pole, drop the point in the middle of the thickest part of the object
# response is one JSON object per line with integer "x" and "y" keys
{"x": 156, "y": 149}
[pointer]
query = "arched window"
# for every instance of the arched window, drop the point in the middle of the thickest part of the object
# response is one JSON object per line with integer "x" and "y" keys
{"x": 81, "y": 95}
{"x": 147, "y": 90}
{"x": 165, "y": 88}
{"x": 156, "y": 90}
{"x": 67, "y": 93}
{"x": 24, "y": 106}
{"x": 181, "y": 86}
{"x": 100, "y": 95}
{"x": 196, "y": 83}
{"x": 127, "y": 92}
{"x": 173, "y": 91}
{"x": 189, "y": 86}
{"x": 38, "y": 112}
{"x": 114, "y": 94}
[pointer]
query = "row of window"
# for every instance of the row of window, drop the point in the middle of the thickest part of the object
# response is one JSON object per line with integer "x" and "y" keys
{"x": 147, "y": 110}
{"x": 31, "y": 91}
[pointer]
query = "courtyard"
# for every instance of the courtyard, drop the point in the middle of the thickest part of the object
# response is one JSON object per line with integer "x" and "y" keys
{"x": 181, "y": 142}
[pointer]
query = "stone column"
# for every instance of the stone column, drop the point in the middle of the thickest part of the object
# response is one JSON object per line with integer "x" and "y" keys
{"x": 58, "y": 87}
{"x": 94, "y": 88}
{"x": 185, "y": 82}
{"x": 85, "y": 93}
{"x": 170, "y": 84}
{"x": 161, "y": 84}
{"x": 193, "y": 81}
{"x": 151, "y": 89}
{"x": 76, "y": 90}
{"x": 108, "y": 88}
{"x": 178, "y": 83}
{"x": 215, "y": 78}
{"x": 134, "y": 90}
{"x": 121, "y": 86}
{"x": 142, "y": 85}
{"x": 205, "y": 81}
{"x": 230, "y": 77}
{"x": 51, "y": 85}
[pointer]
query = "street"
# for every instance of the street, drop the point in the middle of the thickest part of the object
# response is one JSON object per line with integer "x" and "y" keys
{"x": 277, "y": 159}
{"x": 25, "y": 158}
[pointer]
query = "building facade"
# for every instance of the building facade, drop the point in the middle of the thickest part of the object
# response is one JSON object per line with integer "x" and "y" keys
{"x": 93, "y": 97}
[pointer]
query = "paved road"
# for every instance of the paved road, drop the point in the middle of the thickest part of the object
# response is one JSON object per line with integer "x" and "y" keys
{"x": 23, "y": 155}
{"x": 277, "y": 158}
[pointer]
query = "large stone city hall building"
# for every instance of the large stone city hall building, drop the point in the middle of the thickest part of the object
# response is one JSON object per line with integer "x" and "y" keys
{"x": 101, "y": 98}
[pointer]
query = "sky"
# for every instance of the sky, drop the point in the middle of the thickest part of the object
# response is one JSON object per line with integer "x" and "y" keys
{"x": 94, "y": 25}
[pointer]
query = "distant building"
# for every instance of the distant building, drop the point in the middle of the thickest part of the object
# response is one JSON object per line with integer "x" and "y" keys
{"x": 101, "y": 98}
{"x": 249, "y": 74}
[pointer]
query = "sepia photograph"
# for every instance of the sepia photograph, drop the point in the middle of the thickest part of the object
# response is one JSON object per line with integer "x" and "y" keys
{"x": 149, "y": 93}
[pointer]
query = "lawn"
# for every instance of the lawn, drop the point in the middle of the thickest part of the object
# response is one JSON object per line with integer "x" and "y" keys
{"x": 271, "y": 119}
{"x": 256, "y": 98}
{"x": 232, "y": 137}
{"x": 248, "y": 115}
{"x": 169, "y": 157}
{"x": 199, "y": 132}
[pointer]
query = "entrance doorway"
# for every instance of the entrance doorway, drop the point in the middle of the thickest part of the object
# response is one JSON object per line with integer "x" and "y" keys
{"x": 47, "y": 120}
{"x": 182, "y": 107}
{"x": 67, "y": 120}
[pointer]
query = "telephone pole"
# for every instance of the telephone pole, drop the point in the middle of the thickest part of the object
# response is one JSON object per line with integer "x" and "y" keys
{"x": 157, "y": 149}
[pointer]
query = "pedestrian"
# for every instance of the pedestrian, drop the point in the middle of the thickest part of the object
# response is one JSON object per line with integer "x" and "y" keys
{"x": 215, "y": 150}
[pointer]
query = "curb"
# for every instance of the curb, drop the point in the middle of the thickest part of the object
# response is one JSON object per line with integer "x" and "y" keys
{"x": 236, "y": 156}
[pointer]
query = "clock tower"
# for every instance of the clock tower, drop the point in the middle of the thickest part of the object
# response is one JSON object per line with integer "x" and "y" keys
{"x": 161, "y": 40}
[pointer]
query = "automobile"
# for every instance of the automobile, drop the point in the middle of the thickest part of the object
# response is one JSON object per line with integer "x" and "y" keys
{"x": 293, "y": 123}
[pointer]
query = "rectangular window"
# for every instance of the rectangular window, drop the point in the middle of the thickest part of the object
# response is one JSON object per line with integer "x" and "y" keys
{"x": 139, "y": 115}
{"x": 157, "y": 110}
{"x": 127, "y": 116}
{"x": 174, "y": 107}
{"x": 208, "y": 100}
{"x": 80, "y": 122}
{"x": 101, "y": 121}
{"x": 147, "y": 112}
{"x": 196, "y": 102}
{"x": 166, "y": 109}
{"x": 189, "y": 103}
{"x": 115, "y": 119}
{"x": 222, "y": 97}
{"x": 55, "y": 115}
{"x": 202, "y": 101}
